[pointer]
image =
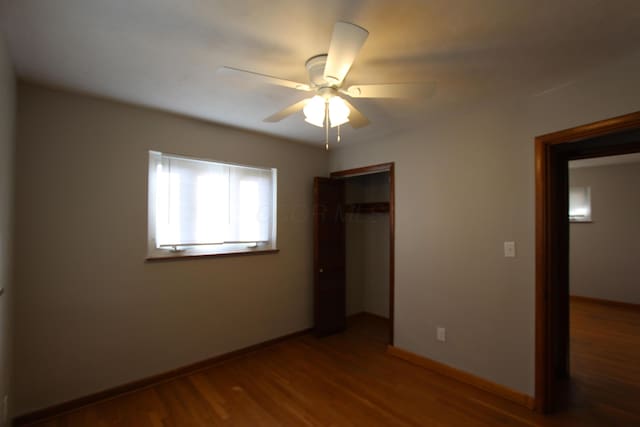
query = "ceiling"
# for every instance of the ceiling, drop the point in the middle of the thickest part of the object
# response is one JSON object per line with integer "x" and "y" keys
{"x": 164, "y": 54}
{"x": 605, "y": 161}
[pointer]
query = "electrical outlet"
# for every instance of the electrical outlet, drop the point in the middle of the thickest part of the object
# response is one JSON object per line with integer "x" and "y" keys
{"x": 441, "y": 334}
{"x": 5, "y": 409}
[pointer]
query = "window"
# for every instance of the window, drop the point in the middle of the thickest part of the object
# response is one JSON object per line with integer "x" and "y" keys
{"x": 580, "y": 204}
{"x": 203, "y": 207}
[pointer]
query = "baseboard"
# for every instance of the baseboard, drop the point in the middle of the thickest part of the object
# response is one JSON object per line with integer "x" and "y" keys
{"x": 463, "y": 377}
{"x": 620, "y": 304}
{"x": 367, "y": 314}
{"x": 75, "y": 404}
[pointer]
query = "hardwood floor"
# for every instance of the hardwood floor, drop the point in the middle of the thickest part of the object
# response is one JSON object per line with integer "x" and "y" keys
{"x": 605, "y": 363}
{"x": 349, "y": 380}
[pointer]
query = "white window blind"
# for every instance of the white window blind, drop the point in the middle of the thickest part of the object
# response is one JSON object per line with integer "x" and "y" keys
{"x": 580, "y": 204}
{"x": 204, "y": 206}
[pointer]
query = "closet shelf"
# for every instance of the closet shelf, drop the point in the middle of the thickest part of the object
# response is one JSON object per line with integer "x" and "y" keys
{"x": 363, "y": 208}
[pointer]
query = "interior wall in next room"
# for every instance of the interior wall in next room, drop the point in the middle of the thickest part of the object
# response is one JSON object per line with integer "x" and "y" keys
{"x": 604, "y": 253}
{"x": 367, "y": 246}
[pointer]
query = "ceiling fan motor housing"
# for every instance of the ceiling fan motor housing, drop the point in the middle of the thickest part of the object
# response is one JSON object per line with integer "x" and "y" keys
{"x": 315, "y": 67}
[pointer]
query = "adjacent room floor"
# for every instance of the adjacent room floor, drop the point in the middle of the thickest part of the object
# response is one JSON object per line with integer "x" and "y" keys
{"x": 349, "y": 380}
{"x": 605, "y": 363}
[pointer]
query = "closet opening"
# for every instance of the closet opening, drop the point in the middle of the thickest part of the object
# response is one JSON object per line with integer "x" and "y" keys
{"x": 354, "y": 252}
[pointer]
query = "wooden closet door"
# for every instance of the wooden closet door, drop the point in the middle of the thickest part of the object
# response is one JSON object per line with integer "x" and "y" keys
{"x": 329, "y": 256}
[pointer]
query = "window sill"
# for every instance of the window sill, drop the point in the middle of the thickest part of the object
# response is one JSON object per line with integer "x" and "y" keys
{"x": 222, "y": 254}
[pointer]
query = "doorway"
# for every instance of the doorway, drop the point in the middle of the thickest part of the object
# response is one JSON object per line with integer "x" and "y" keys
{"x": 354, "y": 248}
{"x": 617, "y": 136}
{"x": 604, "y": 302}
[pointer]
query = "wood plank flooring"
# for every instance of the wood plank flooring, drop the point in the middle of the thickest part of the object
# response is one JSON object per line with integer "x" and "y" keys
{"x": 605, "y": 363}
{"x": 349, "y": 380}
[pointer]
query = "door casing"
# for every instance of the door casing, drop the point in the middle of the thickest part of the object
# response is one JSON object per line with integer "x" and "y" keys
{"x": 390, "y": 168}
{"x": 619, "y": 135}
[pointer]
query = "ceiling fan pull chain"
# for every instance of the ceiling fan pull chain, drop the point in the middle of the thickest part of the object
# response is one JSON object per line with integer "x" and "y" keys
{"x": 326, "y": 125}
{"x": 338, "y": 138}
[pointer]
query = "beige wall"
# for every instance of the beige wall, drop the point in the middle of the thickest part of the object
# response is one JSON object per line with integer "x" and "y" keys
{"x": 367, "y": 244}
{"x": 604, "y": 254}
{"x": 91, "y": 314}
{"x": 7, "y": 93}
{"x": 464, "y": 185}
{"x": 367, "y": 247}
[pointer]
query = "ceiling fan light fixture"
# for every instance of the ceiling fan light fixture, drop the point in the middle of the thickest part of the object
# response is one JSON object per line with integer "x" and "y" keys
{"x": 315, "y": 123}
{"x": 314, "y": 111}
{"x": 338, "y": 111}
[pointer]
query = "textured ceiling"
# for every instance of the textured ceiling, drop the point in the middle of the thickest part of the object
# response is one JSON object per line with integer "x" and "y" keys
{"x": 164, "y": 54}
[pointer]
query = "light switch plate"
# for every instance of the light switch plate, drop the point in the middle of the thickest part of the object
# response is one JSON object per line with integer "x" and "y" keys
{"x": 509, "y": 249}
{"x": 441, "y": 334}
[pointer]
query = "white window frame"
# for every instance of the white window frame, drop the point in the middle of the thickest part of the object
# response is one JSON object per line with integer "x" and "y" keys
{"x": 155, "y": 251}
{"x": 580, "y": 195}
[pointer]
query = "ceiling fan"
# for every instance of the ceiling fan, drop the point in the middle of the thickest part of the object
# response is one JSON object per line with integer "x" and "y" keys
{"x": 327, "y": 73}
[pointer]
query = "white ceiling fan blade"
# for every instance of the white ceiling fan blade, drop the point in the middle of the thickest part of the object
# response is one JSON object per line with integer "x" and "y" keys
{"x": 291, "y": 109}
{"x": 356, "y": 118}
{"x": 345, "y": 44}
{"x": 394, "y": 90}
{"x": 230, "y": 71}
